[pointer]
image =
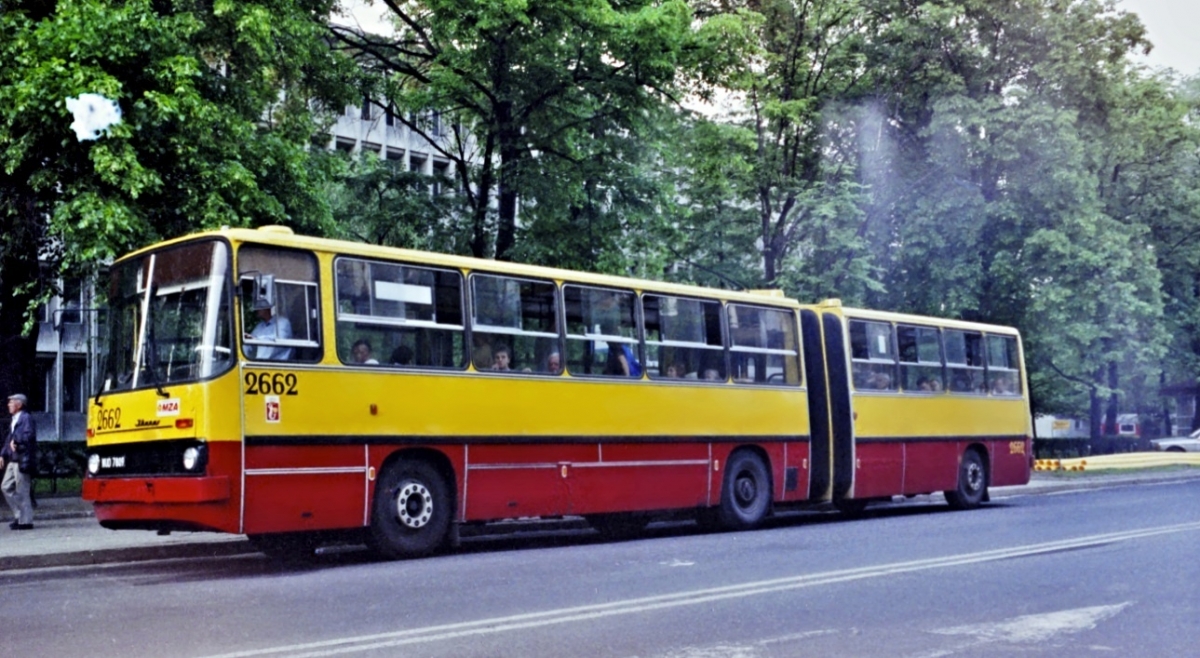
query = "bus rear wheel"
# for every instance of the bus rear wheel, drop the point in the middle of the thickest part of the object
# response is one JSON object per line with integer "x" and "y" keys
{"x": 411, "y": 513}
{"x": 746, "y": 492}
{"x": 972, "y": 482}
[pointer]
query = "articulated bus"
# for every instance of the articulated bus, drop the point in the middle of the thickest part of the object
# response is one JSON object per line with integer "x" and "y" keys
{"x": 293, "y": 388}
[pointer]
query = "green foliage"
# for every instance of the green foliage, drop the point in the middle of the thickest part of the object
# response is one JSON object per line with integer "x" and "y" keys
{"x": 206, "y": 138}
{"x": 379, "y": 202}
{"x": 536, "y": 91}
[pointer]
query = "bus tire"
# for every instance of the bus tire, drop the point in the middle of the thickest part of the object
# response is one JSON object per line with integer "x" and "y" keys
{"x": 972, "y": 482}
{"x": 412, "y": 510}
{"x": 746, "y": 492}
{"x": 286, "y": 547}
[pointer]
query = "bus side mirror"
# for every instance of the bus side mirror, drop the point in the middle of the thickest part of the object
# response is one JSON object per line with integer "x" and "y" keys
{"x": 264, "y": 291}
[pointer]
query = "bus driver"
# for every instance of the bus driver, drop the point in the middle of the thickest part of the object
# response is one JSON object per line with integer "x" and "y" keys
{"x": 270, "y": 328}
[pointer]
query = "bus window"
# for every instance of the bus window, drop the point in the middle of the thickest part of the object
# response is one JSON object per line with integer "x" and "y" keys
{"x": 873, "y": 356}
{"x": 602, "y": 335}
{"x": 1004, "y": 377}
{"x": 964, "y": 361}
{"x": 763, "y": 348}
{"x": 683, "y": 337}
{"x": 514, "y": 326}
{"x": 282, "y": 323}
{"x": 920, "y": 359}
{"x": 399, "y": 315}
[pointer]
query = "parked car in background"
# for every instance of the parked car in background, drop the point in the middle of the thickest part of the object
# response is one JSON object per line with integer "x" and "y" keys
{"x": 1189, "y": 443}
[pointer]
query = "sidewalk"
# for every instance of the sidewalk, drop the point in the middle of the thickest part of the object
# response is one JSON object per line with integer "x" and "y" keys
{"x": 66, "y": 533}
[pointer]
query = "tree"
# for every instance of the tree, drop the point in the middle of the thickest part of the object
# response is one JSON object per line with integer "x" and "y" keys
{"x": 519, "y": 83}
{"x": 378, "y": 202}
{"x": 217, "y": 102}
{"x": 998, "y": 147}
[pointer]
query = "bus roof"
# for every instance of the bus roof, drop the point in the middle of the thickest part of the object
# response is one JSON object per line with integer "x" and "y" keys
{"x": 284, "y": 237}
{"x": 887, "y": 316}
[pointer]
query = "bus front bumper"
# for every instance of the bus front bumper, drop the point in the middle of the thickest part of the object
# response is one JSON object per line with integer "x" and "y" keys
{"x": 156, "y": 490}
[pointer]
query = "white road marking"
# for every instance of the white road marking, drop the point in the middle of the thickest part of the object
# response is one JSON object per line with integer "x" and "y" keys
{"x": 545, "y": 618}
{"x": 678, "y": 563}
{"x": 1039, "y": 628}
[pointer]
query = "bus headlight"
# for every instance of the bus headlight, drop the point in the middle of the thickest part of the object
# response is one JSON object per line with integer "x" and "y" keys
{"x": 93, "y": 463}
{"x": 193, "y": 458}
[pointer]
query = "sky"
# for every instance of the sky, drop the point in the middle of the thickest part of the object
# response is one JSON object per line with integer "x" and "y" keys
{"x": 1171, "y": 25}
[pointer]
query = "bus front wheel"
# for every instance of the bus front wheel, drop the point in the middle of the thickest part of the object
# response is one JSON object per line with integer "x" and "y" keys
{"x": 972, "y": 482}
{"x": 746, "y": 493}
{"x": 411, "y": 514}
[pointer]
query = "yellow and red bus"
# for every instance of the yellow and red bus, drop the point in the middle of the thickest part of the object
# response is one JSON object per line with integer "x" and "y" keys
{"x": 289, "y": 387}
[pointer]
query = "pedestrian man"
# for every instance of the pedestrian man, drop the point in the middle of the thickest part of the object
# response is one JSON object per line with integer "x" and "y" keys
{"x": 19, "y": 458}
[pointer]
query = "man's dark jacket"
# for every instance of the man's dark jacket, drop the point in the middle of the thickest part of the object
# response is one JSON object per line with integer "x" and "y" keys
{"x": 25, "y": 436}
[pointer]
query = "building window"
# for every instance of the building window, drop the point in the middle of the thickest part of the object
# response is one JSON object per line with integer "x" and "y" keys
{"x": 441, "y": 176}
{"x": 71, "y": 305}
{"x": 74, "y": 384}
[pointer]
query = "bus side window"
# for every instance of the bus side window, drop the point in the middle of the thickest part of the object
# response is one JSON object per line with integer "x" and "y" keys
{"x": 602, "y": 332}
{"x": 683, "y": 337}
{"x": 873, "y": 356}
{"x": 964, "y": 361}
{"x": 514, "y": 324}
{"x": 920, "y": 354}
{"x": 408, "y": 316}
{"x": 763, "y": 345}
{"x": 295, "y": 299}
{"x": 1004, "y": 375}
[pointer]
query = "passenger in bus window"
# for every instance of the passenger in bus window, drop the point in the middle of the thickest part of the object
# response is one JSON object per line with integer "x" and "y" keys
{"x": 676, "y": 371}
{"x": 402, "y": 356}
{"x": 481, "y": 352}
{"x": 622, "y": 361}
{"x": 925, "y": 385}
{"x": 361, "y": 351}
{"x": 502, "y": 358}
{"x": 1002, "y": 386}
{"x": 881, "y": 381}
{"x": 554, "y": 363}
{"x": 270, "y": 328}
{"x": 712, "y": 375}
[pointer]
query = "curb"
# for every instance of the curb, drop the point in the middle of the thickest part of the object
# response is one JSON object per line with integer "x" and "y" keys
{"x": 118, "y": 555}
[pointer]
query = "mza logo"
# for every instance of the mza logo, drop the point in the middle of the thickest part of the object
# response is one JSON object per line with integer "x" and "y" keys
{"x": 273, "y": 411}
{"x": 168, "y": 407}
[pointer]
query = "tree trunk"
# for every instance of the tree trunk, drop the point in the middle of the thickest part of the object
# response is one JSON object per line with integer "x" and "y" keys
{"x": 18, "y": 268}
{"x": 1094, "y": 415}
{"x": 1110, "y": 412}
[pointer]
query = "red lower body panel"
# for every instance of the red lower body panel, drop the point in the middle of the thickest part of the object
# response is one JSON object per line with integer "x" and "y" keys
{"x": 209, "y": 502}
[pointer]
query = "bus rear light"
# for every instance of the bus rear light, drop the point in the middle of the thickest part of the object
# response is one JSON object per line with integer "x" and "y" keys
{"x": 91, "y": 433}
{"x": 183, "y": 423}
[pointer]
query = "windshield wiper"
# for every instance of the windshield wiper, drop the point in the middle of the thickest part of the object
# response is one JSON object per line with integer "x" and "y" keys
{"x": 152, "y": 346}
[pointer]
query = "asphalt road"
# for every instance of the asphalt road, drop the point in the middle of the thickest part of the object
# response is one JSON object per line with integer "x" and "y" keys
{"x": 1108, "y": 572}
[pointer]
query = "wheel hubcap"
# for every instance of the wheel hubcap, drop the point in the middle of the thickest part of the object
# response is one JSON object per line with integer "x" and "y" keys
{"x": 974, "y": 477}
{"x": 745, "y": 490}
{"x": 414, "y": 505}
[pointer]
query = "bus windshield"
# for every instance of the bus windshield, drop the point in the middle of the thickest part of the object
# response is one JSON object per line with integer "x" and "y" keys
{"x": 169, "y": 318}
